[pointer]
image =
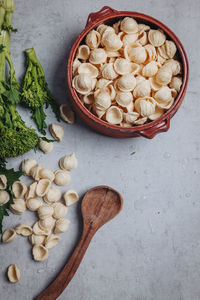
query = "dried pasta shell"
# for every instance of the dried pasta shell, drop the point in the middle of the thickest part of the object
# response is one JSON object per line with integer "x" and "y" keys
{"x": 43, "y": 187}
{"x": 37, "y": 239}
{"x": 46, "y": 223}
{"x": 142, "y": 28}
{"x": 126, "y": 83}
{"x": 60, "y": 210}
{"x": 24, "y": 230}
{"x": 83, "y": 52}
{"x": 67, "y": 114}
{"x": 97, "y": 56}
{"x": 68, "y": 162}
{"x": 142, "y": 89}
{"x": 164, "y": 75}
{"x": 51, "y": 241}
{"x": 102, "y": 82}
{"x": 45, "y": 146}
{"x": 45, "y": 211}
{"x": 87, "y": 68}
{"x": 143, "y": 38}
{"x": 114, "y": 115}
{"x": 62, "y": 177}
{"x": 157, "y": 114}
{"x": 166, "y": 105}
{"x": 124, "y": 98}
{"x": 31, "y": 192}
{"x": 70, "y": 197}
{"x": 9, "y": 235}
{"x": 111, "y": 41}
{"x": 102, "y": 28}
{"x": 139, "y": 79}
{"x": 4, "y": 197}
{"x": 40, "y": 253}
{"x": 129, "y": 39}
{"x": 100, "y": 113}
{"x": 45, "y": 173}
{"x": 116, "y": 26}
{"x": 89, "y": 98}
{"x": 151, "y": 52}
{"x": 19, "y": 189}
{"x": 13, "y": 273}
{"x": 102, "y": 100}
{"x": 129, "y": 107}
{"x": 145, "y": 106}
{"x": 168, "y": 50}
{"x": 108, "y": 72}
{"x": 53, "y": 195}
{"x": 130, "y": 117}
{"x": 154, "y": 85}
{"x": 150, "y": 69}
{"x": 76, "y": 64}
{"x": 136, "y": 53}
{"x": 27, "y": 165}
{"x": 38, "y": 231}
{"x": 61, "y": 225}
{"x": 129, "y": 25}
{"x": 173, "y": 65}
{"x": 122, "y": 66}
{"x": 33, "y": 204}
{"x": 176, "y": 83}
{"x": 34, "y": 172}
{"x": 83, "y": 83}
{"x": 93, "y": 39}
{"x": 3, "y": 182}
{"x": 112, "y": 54}
{"x": 18, "y": 206}
{"x": 124, "y": 124}
{"x": 156, "y": 37}
{"x": 163, "y": 94}
{"x": 57, "y": 132}
{"x": 140, "y": 121}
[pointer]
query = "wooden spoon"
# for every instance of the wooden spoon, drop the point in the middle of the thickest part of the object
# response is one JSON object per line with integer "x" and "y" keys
{"x": 99, "y": 205}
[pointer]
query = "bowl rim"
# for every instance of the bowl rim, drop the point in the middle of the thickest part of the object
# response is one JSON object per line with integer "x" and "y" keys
{"x": 114, "y": 14}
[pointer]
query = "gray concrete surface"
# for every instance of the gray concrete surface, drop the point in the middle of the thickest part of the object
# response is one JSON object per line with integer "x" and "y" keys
{"x": 151, "y": 251}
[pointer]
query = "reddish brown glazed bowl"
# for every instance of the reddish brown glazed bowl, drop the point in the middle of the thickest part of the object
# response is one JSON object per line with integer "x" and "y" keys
{"x": 109, "y": 15}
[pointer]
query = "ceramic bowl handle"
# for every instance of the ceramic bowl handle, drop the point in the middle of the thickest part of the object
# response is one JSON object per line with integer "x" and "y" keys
{"x": 95, "y": 16}
{"x": 152, "y": 131}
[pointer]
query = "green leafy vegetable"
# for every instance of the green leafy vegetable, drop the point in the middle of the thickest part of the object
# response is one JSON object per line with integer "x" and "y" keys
{"x": 15, "y": 137}
{"x": 132, "y": 153}
{"x": 35, "y": 92}
{"x": 11, "y": 176}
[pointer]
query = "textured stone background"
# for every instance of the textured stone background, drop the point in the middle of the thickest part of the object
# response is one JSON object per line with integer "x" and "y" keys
{"x": 151, "y": 250}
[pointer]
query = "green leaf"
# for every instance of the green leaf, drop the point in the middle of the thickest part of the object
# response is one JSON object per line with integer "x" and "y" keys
{"x": 1, "y": 48}
{"x": 39, "y": 117}
{"x": 11, "y": 176}
{"x": 9, "y": 28}
{"x": 12, "y": 95}
{"x": 47, "y": 140}
{"x": 132, "y": 153}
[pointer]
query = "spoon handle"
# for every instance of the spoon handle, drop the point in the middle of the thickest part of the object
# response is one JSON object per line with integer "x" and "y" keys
{"x": 53, "y": 291}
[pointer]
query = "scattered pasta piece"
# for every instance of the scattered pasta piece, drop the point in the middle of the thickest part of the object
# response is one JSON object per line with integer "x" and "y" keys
{"x": 13, "y": 273}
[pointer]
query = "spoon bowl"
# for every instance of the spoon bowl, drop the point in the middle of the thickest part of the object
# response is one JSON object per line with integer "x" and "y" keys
{"x": 100, "y": 205}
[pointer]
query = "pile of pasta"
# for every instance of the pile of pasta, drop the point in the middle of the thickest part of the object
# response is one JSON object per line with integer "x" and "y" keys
{"x": 126, "y": 74}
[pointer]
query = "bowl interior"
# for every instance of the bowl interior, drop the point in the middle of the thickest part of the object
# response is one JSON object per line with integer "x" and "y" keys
{"x": 154, "y": 24}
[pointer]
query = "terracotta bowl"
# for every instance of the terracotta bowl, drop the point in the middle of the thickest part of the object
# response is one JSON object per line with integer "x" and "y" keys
{"x": 109, "y": 16}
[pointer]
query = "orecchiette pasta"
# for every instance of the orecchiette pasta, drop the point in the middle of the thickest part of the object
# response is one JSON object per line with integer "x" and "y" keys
{"x": 45, "y": 211}
{"x": 62, "y": 177}
{"x": 40, "y": 252}
{"x": 3, "y": 182}
{"x": 31, "y": 192}
{"x": 19, "y": 189}
{"x": 70, "y": 197}
{"x": 45, "y": 146}
{"x": 53, "y": 195}
{"x": 51, "y": 241}
{"x": 60, "y": 210}
{"x": 67, "y": 114}
{"x": 24, "y": 230}
{"x": 57, "y": 132}
{"x": 61, "y": 225}
{"x": 4, "y": 197}
{"x": 43, "y": 187}
{"x": 122, "y": 68}
{"x": 18, "y": 206}
{"x": 68, "y": 162}
{"x": 46, "y": 174}
{"x": 27, "y": 165}
{"x": 13, "y": 273}
{"x": 9, "y": 235}
{"x": 33, "y": 203}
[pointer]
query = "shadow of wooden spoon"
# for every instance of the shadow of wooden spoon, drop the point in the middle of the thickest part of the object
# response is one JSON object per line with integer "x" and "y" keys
{"x": 99, "y": 205}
